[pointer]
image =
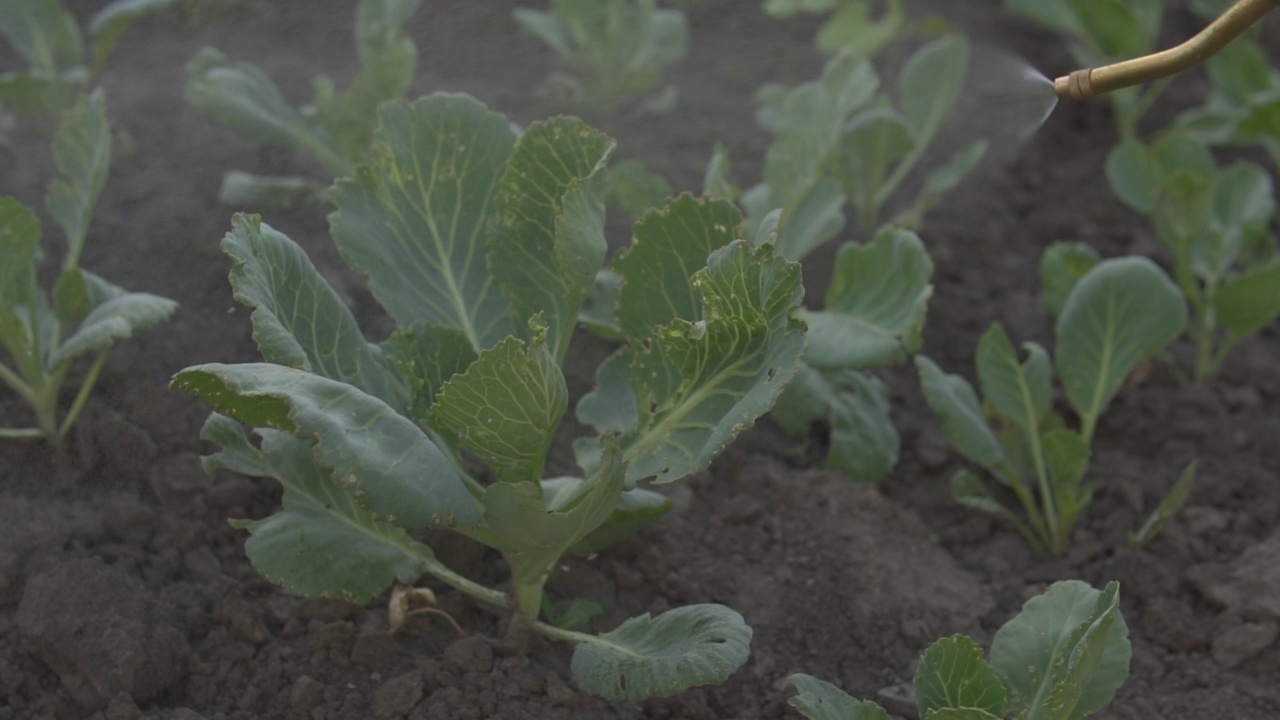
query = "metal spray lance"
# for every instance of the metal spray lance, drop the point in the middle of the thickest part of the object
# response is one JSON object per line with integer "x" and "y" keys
{"x": 1088, "y": 82}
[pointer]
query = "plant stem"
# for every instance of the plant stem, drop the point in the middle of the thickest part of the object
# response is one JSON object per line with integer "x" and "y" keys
{"x": 82, "y": 396}
{"x": 442, "y": 573}
{"x": 19, "y": 386}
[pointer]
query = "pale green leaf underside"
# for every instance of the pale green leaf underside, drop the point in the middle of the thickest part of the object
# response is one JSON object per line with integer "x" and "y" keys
{"x": 506, "y": 407}
{"x": 115, "y": 319}
{"x": 875, "y": 306}
{"x": 298, "y": 320}
{"x": 415, "y": 218}
{"x": 324, "y": 542}
{"x": 820, "y": 700}
{"x": 399, "y": 471}
{"x": 657, "y": 657}
{"x": 1123, "y": 312}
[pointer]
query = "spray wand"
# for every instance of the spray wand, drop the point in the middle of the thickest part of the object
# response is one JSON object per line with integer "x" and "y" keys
{"x": 1088, "y": 82}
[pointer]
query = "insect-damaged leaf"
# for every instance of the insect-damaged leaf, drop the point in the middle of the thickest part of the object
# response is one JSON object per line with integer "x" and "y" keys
{"x": 298, "y": 319}
{"x": 697, "y": 384}
{"x": 324, "y": 542}
{"x": 550, "y": 238}
{"x": 415, "y": 218}
{"x": 400, "y": 472}
{"x": 506, "y": 407}
{"x": 953, "y": 675}
{"x": 1066, "y": 653}
{"x": 656, "y": 657}
{"x": 820, "y": 700}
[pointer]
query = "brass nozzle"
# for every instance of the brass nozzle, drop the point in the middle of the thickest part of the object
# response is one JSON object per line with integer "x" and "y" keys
{"x": 1088, "y": 82}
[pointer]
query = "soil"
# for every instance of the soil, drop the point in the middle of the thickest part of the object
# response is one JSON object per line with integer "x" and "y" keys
{"x": 124, "y": 593}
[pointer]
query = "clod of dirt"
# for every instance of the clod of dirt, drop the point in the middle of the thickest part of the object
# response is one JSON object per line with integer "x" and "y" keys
{"x": 1237, "y": 643}
{"x": 397, "y": 696}
{"x": 1249, "y": 586}
{"x": 102, "y": 632}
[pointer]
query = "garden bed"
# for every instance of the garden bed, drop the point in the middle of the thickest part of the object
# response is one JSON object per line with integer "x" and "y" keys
{"x": 124, "y": 590}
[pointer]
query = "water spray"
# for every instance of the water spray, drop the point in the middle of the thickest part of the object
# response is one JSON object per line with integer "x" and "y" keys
{"x": 1088, "y": 82}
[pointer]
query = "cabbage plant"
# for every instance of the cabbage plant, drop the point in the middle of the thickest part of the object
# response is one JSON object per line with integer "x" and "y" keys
{"x": 482, "y": 244}
{"x": 1121, "y": 313}
{"x": 44, "y": 334}
{"x": 334, "y": 130}
{"x": 1062, "y": 658}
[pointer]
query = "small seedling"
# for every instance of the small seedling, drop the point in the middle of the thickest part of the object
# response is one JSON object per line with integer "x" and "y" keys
{"x": 618, "y": 49}
{"x": 48, "y": 38}
{"x": 1120, "y": 313}
{"x": 1062, "y": 658}
{"x": 86, "y": 314}
{"x": 483, "y": 252}
{"x": 1218, "y": 225}
{"x": 335, "y": 130}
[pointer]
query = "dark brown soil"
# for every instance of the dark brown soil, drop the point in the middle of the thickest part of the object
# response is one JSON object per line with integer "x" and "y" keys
{"x": 125, "y": 594}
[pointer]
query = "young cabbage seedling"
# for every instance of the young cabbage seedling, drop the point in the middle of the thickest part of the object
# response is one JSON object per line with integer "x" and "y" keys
{"x": 1218, "y": 225}
{"x": 1101, "y": 32}
{"x": 1062, "y": 658}
{"x": 482, "y": 245}
{"x": 619, "y": 50}
{"x": 841, "y": 140}
{"x": 87, "y": 314}
{"x": 335, "y": 130}
{"x": 1119, "y": 314}
{"x": 47, "y": 37}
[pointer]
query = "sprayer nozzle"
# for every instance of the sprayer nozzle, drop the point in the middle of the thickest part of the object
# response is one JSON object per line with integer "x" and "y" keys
{"x": 1076, "y": 86}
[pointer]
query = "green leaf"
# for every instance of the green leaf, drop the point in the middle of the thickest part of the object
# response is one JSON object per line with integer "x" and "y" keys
{"x": 599, "y": 313}
{"x": 952, "y": 674}
{"x": 532, "y": 533}
{"x": 658, "y": 657}
{"x": 426, "y": 357}
{"x": 671, "y": 244}
{"x": 415, "y": 218}
{"x": 245, "y": 190}
{"x": 716, "y": 183}
{"x": 20, "y": 296}
{"x": 1066, "y": 653}
{"x": 402, "y": 474}
{"x": 1132, "y": 175}
{"x": 636, "y": 508}
{"x": 1248, "y": 303}
{"x": 113, "y": 320}
{"x": 506, "y": 407}
{"x": 955, "y": 403}
{"x": 1245, "y": 198}
{"x": 852, "y": 25}
{"x": 298, "y": 319}
{"x": 324, "y": 542}
{"x": 44, "y": 33}
{"x": 969, "y": 490}
{"x": 575, "y": 617}
{"x": 82, "y": 149}
{"x": 820, "y": 700}
{"x": 873, "y": 142}
{"x": 1061, "y": 267}
{"x": 1123, "y": 312}
{"x": 929, "y": 84}
{"x": 1168, "y": 507}
{"x": 863, "y": 442}
{"x": 1020, "y": 391}
{"x": 942, "y": 180}
{"x": 875, "y": 305}
{"x": 611, "y": 407}
{"x": 701, "y": 383}
{"x": 109, "y": 24}
{"x": 389, "y": 59}
{"x": 630, "y": 186}
{"x": 551, "y": 244}
{"x": 545, "y": 27}
{"x": 238, "y": 96}
{"x": 1184, "y": 219}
